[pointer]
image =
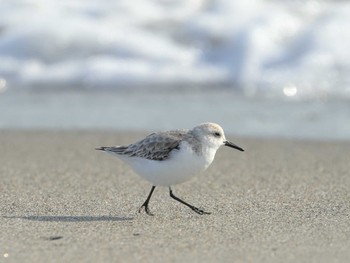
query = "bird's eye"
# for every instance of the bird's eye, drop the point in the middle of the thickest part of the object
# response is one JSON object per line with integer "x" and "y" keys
{"x": 217, "y": 134}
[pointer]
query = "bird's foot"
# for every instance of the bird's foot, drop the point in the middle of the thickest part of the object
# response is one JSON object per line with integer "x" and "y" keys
{"x": 199, "y": 211}
{"x": 148, "y": 212}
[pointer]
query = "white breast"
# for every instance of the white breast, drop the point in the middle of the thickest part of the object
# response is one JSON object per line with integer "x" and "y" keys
{"x": 181, "y": 166}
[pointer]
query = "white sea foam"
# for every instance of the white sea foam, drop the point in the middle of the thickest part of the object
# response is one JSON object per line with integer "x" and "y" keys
{"x": 257, "y": 45}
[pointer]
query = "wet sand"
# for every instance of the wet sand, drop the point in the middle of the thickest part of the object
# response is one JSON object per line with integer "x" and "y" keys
{"x": 280, "y": 201}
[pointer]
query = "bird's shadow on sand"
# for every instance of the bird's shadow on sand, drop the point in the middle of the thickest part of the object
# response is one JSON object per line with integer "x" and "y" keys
{"x": 71, "y": 218}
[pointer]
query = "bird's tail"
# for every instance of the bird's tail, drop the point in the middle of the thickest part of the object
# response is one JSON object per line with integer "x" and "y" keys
{"x": 101, "y": 148}
{"x": 113, "y": 150}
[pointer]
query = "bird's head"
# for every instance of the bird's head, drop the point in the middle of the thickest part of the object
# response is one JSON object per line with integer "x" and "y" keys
{"x": 213, "y": 135}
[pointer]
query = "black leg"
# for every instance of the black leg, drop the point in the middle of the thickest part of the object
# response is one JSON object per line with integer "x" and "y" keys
{"x": 195, "y": 209}
{"x": 145, "y": 204}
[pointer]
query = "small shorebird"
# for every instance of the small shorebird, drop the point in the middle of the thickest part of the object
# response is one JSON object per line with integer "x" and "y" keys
{"x": 172, "y": 157}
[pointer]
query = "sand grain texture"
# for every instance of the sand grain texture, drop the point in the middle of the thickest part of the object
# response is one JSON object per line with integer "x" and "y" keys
{"x": 280, "y": 201}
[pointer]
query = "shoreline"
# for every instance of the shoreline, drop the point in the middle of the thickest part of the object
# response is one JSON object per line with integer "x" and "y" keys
{"x": 280, "y": 200}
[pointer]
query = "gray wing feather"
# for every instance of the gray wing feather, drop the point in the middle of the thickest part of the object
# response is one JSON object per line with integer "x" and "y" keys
{"x": 156, "y": 146}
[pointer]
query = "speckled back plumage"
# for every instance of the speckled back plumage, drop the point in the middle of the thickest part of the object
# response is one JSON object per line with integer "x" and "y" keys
{"x": 156, "y": 146}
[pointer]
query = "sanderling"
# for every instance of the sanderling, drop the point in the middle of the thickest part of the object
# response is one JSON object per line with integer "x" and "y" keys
{"x": 172, "y": 157}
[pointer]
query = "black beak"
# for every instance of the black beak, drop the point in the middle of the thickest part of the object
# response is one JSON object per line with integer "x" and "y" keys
{"x": 232, "y": 145}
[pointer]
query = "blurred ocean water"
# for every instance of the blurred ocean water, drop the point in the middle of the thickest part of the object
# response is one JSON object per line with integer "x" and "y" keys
{"x": 258, "y": 67}
{"x": 258, "y": 46}
{"x": 145, "y": 111}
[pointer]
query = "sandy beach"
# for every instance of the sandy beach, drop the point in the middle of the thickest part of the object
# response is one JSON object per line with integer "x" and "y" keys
{"x": 279, "y": 201}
